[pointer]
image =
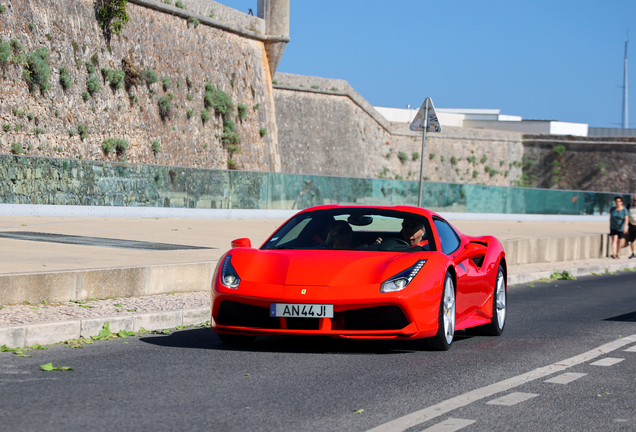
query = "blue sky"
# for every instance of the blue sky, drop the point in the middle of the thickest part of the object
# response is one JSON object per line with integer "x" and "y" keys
{"x": 558, "y": 60}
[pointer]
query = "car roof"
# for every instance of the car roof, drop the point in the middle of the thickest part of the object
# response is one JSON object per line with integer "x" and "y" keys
{"x": 407, "y": 209}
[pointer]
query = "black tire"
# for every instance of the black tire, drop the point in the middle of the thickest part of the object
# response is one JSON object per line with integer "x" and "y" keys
{"x": 499, "y": 309}
{"x": 442, "y": 341}
{"x": 232, "y": 339}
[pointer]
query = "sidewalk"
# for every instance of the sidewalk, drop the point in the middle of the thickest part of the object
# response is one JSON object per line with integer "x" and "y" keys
{"x": 47, "y": 320}
{"x": 216, "y": 234}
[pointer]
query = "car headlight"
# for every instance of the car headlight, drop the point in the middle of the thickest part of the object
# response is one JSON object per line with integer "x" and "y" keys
{"x": 229, "y": 277}
{"x": 402, "y": 279}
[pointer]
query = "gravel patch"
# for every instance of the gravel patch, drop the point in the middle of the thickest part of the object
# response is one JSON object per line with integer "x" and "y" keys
{"x": 95, "y": 308}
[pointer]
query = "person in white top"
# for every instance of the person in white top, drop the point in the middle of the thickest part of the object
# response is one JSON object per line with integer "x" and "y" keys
{"x": 631, "y": 234}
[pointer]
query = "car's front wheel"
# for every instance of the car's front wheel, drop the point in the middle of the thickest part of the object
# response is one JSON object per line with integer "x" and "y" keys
{"x": 446, "y": 318}
{"x": 232, "y": 339}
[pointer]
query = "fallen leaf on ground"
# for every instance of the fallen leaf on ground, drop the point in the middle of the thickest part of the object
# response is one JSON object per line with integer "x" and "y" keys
{"x": 49, "y": 367}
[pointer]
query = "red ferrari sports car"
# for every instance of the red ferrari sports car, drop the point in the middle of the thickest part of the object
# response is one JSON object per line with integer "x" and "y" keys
{"x": 362, "y": 272}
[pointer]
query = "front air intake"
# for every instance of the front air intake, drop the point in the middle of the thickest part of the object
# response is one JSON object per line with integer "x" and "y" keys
{"x": 244, "y": 315}
{"x": 375, "y": 318}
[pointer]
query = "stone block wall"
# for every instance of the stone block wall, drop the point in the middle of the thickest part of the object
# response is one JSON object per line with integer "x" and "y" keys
{"x": 46, "y": 124}
{"x": 325, "y": 127}
{"x": 585, "y": 163}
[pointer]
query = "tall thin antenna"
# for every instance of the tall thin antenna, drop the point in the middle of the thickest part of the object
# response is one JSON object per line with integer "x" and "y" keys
{"x": 625, "y": 98}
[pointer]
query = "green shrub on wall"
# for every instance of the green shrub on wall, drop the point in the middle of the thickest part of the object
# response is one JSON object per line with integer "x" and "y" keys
{"x": 121, "y": 145}
{"x": 194, "y": 21}
{"x": 115, "y": 77}
{"x": 217, "y": 99}
{"x": 65, "y": 79}
{"x": 117, "y": 145}
{"x": 82, "y": 131}
{"x": 16, "y": 45}
{"x": 156, "y": 147}
{"x": 150, "y": 76}
{"x": 90, "y": 68}
{"x": 16, "y": 148}
{"x": 205, "y": 116}
{"x": 37, "y": 71}
{"x": 5, "y": 52}
{"x": 229, "y": 132}
{"x": 165, "y": 106}
{"x": 108, "y": 146}
{"x": 93, "y": 85}
{"x": 559, "y": 150}
{"x": 112, "y": 16}
{"x": 242, "y": 111}
{"x": 166, "y": 83}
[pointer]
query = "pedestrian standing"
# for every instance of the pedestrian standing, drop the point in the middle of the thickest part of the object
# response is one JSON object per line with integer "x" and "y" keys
{"x": 619, "y": 220}
{"x": 631, "y": 232}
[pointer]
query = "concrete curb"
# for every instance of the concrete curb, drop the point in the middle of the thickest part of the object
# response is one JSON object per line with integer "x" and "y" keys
{"x": 62, "y": 286}
{"x": 579, "y": 271}
{"x": 49, "y": 333}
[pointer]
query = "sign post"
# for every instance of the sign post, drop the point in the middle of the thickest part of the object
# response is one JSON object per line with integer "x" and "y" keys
{"x": 426, "y": 121}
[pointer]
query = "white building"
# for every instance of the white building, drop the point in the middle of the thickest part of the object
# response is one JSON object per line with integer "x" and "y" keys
{"x": 488, "y": 119}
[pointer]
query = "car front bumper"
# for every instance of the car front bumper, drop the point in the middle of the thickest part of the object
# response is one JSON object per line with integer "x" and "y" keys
{"x": 408, "y": 314}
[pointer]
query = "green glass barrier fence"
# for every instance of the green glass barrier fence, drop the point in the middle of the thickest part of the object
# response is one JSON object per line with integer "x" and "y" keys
{"x": 34, "y": 180}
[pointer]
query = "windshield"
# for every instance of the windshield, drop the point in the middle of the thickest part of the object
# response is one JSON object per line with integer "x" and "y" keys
{"x": 354, "y": 229}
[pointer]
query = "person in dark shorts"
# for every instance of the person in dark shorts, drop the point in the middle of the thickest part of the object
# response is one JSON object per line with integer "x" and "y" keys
{"x": 631, "y": 232}
{"x": 618, "y": 224}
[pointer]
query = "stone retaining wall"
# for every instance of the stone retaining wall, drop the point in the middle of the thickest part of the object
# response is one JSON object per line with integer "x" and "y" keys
{"x": 325, "y": 127}
{"x": 46, "y": 124}
{"x": 585, "y": 163}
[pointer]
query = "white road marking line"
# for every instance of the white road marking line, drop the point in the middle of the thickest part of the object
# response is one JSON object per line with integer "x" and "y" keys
{"x": 512, "y": 399}
{"x": 450, "y": 425}
{"x": 608, "y": 361}
{"x": 426, "y": 414}
{"x": 565, "y": 378}
{"x": 631, "y": 349}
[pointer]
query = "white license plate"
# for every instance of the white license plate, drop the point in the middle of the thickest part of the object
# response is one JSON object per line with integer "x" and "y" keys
{"x": 296, "y": 310}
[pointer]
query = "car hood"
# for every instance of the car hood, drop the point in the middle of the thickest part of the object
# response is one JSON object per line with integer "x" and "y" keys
{"x": 319, "y": 268}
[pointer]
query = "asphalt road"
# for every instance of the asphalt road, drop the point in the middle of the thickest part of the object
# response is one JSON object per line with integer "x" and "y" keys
{"x": 190, "y": 381}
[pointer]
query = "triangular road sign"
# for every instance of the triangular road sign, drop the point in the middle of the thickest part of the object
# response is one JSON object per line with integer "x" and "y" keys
{"x": 419, "y": 122}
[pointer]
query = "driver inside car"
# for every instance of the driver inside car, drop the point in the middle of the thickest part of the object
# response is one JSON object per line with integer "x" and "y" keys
{"x": 339, "y": 236}
{"x": 412, "y": 232}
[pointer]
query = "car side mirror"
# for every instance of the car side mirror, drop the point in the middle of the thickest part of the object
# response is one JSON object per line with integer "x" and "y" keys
{"x": 242, "y": 242}
{"x": 472, "y": 250}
